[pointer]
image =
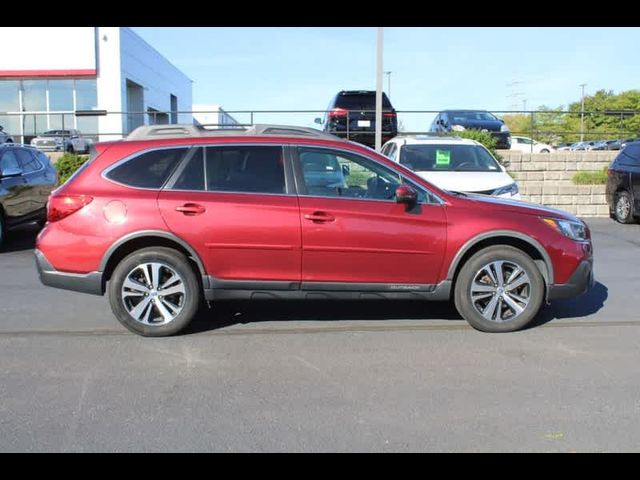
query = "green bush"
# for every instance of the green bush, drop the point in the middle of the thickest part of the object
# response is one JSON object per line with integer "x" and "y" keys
{"x": 598, "y": 177}
{"x": 67, "y": 164}
{"x": 485, "y": 138}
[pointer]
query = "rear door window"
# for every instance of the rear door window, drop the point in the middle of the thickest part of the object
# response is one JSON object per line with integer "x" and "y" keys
{"x": 250, "y": 169}
{"x": 149, "y": 169}
{"x": 28, "y": 162}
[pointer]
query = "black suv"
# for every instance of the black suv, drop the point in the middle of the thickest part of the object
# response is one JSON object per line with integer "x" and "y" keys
{"x": 623, "y": 184}
{"x": 26, "y": 180}
{"x": 449, "y": 121}
{"x": 352, "y": 115}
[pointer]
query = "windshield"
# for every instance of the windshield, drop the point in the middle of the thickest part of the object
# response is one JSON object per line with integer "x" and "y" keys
{"x": 471, "y": 116}
{"x": 424, "y": 158}
{"x": 56, "y": 133}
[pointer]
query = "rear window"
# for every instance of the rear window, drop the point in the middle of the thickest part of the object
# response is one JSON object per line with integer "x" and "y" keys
{"x": 149, "y": 169}
{"x": 630, "y": 153}
{"x": 361, "y": 101}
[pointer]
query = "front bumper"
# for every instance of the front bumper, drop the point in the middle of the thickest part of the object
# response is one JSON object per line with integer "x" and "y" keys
{"x": 79, "y": 282}
{"x": 581, "y": 281}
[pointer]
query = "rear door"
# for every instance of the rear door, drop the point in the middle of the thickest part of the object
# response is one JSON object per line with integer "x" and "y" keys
{"x": 235, "y": 204}
{"x": 38, "y": 178}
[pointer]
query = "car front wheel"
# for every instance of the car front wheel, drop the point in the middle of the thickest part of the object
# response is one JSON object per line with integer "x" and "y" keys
{"x": 154, "y": 292}
{"x": 499, "y": 289}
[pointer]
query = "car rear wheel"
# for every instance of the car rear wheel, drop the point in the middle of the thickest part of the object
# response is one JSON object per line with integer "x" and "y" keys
{"x": 499, "y": 289}
{"x": 154, "y": 292}
{"x": 623, "y": 210}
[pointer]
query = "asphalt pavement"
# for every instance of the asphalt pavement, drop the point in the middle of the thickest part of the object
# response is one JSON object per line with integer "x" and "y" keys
{"x": 322, "y": 376}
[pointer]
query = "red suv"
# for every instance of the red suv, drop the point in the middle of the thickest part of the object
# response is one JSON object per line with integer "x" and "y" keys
{"x": 175, "y": 214}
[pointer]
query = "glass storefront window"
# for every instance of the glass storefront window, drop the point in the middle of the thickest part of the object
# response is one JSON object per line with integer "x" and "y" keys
{"x": 60, "y": 96}
{"x": 88, "y": 126}
{"x": 34, "y": 95}
{"x": 56, "y": 121}
{"x": 86, "y": 94}
{"x": 9, "y": 97}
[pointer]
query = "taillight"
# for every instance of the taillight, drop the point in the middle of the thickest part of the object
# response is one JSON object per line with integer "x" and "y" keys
{"x": 609, "y": 171}
{"x": 62, "y": 206}
{"x": 389, "y": 114}
{"x": 338, "y": 112}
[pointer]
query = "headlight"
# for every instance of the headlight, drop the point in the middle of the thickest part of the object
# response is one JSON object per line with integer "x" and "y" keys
{"x": 458, "y": 128}
{"x": 511, "y": 188}
{"x": 58, "y": 141}
{"x": 33, "y": 141}
{"x": 504, "y": 128}
{"x": 574, "y": 230}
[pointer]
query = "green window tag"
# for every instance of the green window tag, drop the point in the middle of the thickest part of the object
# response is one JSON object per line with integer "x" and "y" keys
{"x": 443, "y": 158}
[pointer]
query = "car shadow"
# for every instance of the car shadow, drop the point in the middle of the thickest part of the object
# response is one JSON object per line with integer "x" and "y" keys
{"x": 227, "y": 313}
{"x": 582, "y": 306}
{"x": 21, "y": 238}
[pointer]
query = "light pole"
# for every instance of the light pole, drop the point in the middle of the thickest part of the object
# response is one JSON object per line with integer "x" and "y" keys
{"x": 582, "y": 114}
{"x": 378, "y": 138}
{"x": 388, "y": 74}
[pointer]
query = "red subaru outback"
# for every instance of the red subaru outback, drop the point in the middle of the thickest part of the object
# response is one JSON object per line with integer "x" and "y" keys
{"x": 174, "y": 214}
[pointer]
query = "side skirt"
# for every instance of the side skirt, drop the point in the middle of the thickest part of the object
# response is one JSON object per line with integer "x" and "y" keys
{"x": 241, "y": 290}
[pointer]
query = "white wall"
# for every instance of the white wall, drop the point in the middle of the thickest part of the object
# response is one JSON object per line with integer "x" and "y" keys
{"x": 142, "y": 64}
{"x": 47, "y": 48}
{"x": 110, "y": 95}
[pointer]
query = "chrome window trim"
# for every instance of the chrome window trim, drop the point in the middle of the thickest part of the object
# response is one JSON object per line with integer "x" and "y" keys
{"x": 403, "y": 177}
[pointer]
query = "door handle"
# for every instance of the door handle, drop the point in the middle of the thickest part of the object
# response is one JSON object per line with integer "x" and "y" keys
{"x": 319, "y": 217}
{"x": 191, "y": 209}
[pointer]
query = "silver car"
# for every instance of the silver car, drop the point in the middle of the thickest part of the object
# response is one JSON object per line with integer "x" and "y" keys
{"x": 69, "y": 140}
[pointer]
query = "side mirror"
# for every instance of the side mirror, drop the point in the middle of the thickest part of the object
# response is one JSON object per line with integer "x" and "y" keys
{"x": 346, "y": 170}
{"x": 506, "y": 163}
{"x": 318, "y": 121}
{"x": 407, "y": 195}
{"x": 10, "y": 172}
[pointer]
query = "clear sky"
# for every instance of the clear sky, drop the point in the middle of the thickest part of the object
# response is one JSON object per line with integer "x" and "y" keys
{"x": 301, "y": 68}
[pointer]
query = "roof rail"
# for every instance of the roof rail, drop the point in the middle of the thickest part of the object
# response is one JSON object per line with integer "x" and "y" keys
{"x": 189, "y": 130}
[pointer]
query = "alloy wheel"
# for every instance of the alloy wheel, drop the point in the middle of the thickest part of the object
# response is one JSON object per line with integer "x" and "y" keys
{"x": 500, "y": 291}
{"x": 153, "y": 293}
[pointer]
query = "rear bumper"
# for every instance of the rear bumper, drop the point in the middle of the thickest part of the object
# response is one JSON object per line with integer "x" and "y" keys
{"x": 78, "y": 282}
{"x": 581, "y": 281}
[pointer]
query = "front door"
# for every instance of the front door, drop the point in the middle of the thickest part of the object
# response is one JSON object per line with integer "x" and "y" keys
{"x": 354, "y": 232}
{"x": 235, "y": 205}
{"x": 15, "y": 189}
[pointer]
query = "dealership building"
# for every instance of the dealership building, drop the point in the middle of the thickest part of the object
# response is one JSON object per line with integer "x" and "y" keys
{"x": 103, "y": 81}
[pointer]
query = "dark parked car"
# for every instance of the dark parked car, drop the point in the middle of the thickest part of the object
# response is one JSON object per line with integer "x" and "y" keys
{"x": 623, "y": 184}
{"x": 4, "y": 136}
{"x": 26, "y": 180}
{"x": 70, "y": 140}
{"x": 457, "y": 120}
{"x": 352, "y": 115}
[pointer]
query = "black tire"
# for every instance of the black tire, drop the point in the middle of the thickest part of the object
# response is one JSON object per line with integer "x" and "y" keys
{"x": 473, "y": 267}
{"x": 168, "y": 258}
{"x": 623, "y": 207}
{"x": 70, "y": 149}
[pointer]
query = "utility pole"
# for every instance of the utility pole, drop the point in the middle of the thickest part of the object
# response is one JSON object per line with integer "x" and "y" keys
{"x": 582, "y": 114}
{"x": 388, "y": 74}
{"x": 379, "y": 89}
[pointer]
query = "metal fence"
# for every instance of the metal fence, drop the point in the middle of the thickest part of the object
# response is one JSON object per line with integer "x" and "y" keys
{"x": 549, "y": 126}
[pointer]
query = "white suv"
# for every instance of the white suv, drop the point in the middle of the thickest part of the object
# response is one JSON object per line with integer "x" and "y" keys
{"x": 452, "y": 163}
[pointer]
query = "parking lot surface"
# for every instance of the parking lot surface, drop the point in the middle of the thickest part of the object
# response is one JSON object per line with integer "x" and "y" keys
{"x": 339, "y": 376}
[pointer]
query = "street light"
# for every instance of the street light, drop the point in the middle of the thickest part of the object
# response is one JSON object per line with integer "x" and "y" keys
{"x": 582, "y": 114}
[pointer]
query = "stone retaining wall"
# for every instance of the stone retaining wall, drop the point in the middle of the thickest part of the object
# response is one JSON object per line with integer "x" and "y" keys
{"x": 546, "y": 178}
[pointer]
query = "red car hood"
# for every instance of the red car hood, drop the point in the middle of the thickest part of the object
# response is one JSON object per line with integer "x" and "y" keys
{"x": 518, "y": 206}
